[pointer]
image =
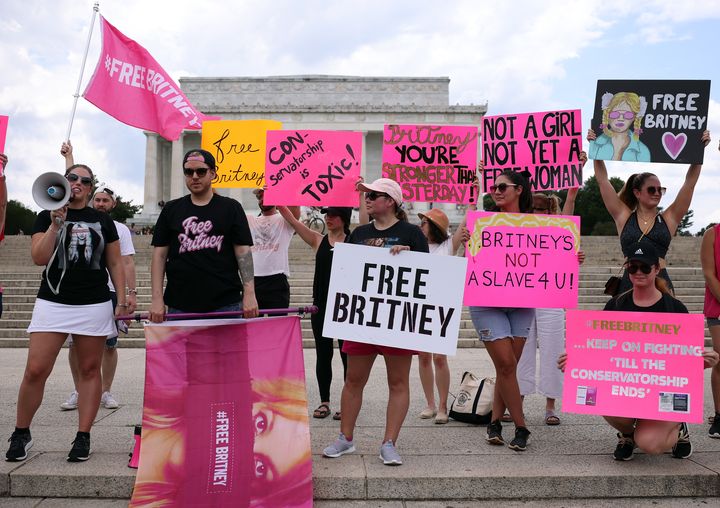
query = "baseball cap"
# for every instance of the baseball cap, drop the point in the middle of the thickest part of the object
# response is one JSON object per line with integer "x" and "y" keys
{"x": 102, "y": 188}
{"x": 645, "y": 253}
{"x": 344, "y": 212}
{"x": 437, "y": 217}
{"x": 384, "y": 185}
{"x": 200, "y": 155}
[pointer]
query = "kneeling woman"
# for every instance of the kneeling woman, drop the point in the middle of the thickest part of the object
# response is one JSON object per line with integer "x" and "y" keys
{"x": 649, "y": 293}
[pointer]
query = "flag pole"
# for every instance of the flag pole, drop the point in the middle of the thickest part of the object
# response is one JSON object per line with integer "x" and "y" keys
{"x": 96, "y": 8}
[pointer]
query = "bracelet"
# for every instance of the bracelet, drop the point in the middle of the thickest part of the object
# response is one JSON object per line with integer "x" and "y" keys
{"x": 132, "y": 291}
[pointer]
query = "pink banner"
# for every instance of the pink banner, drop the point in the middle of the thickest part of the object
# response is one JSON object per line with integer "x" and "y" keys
{"x": 3, "y": 134}
{"x": 225, "y": 419}
{"x": 546, "y": 144}
{"x": 129, "y": 85}
{"x": 521, "y": 260}
{"x": 312, "y": 168}
{"x": 635, "y": 364}
{"x": 432, "y": 163}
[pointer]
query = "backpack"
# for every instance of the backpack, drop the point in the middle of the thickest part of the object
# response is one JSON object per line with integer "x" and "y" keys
{"x": 473, "y": 403}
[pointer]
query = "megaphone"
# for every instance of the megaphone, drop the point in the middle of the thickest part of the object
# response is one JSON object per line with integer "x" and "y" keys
{"x": 51, "y": 191}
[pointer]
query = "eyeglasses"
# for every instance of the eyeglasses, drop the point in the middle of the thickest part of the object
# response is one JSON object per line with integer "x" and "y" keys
{"x": 72, "y": 177}
{"x": 200, "y": 172}
{"x": 502, "y": 187}
{"x": 656, "y": 190}
{"x": 627, "y": 115}
{"x": 643, "y": 267}
{"x": 373, "y": 195}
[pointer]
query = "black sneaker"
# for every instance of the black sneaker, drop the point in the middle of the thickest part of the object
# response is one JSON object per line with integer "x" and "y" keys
{"x": 494, "y": 433}
{"x": 519, "y": 444}
{"x": 81, "y": 448}
{"x": 715, "y": 427}
{"x": 683, "y": 446}
{"x": 20, "y": 443}
{"x": 625, "y": 447}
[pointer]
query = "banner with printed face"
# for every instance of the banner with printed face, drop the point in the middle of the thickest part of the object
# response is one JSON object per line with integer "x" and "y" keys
{"x": 239, "y": 150}
{"x": 3, "y": 133}
{"x": 635, "y": 364}
{"x": 650, "y": 120}
{"x": 432, "y": 163}
{"x": 312, "y": 168}
{"x": 225, "y": 418}
{"x": 522, "y": 260}
{"x": 411, "y": 300}
{"x": 547, "y": 145}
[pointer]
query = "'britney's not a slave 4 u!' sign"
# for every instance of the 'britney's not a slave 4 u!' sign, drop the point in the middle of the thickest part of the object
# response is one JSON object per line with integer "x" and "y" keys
{"x": 635, "y": 364}
{"x": 522, "y": 260}
{"x": 432, "y": 163}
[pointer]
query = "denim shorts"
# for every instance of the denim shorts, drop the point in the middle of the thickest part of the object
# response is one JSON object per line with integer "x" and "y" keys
{"x": 713, "y": 322}
{"x": 493, "y": 323}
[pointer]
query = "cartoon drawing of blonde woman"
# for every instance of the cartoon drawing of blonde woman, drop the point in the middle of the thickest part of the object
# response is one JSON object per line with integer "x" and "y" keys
{"x": 621, "y": 128}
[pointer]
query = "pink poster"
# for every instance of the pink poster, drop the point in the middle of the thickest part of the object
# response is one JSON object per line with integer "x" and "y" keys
{"x": 3, "y": 133}
{"x": 312, "y": 168}
{"x": 635, "y": 364}
{"x": 522, "y": 260}
{"x": 432, "y": 163}
{"x": 547, "y": 145}
{"x": 225, "y": 419}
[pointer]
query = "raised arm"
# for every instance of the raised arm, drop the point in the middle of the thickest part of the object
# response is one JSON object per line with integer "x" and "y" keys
{"x": 569, "y": 205}
{"x": 3, "y": 190}
{"x": 707, "y": 260}
{"x": 615, "y": 207}
{"x": 364, "y": 217}
{"x": 66, "y": 150}
{"x": 310, "y": 237}
{"x": 295, "y": 211}
{"x": 677, "y": 210}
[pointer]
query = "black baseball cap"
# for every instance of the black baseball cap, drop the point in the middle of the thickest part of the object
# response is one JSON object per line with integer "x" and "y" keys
{"x": 196, "y": 153}
{"x": 344, "y": 212}
{"x": 644, "y": 252}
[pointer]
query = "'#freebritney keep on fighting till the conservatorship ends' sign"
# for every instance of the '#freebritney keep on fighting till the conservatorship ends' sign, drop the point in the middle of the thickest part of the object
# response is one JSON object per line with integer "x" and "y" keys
{"x": 635, "y": 364}
{"x": 522, "y": 260}
{"x": 411, "y": 300}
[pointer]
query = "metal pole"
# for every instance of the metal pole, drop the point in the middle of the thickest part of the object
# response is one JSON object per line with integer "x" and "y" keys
{"x": 311, "y": 309}
{"x": 96, "y": 8}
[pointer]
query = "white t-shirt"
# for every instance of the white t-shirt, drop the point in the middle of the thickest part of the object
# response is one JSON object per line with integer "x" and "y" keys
{"x": 271, "y": 236}
{"x": 445, "y": 248}
{"x": 126, "y": 245}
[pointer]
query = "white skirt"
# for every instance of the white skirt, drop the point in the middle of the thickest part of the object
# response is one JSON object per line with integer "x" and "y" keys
{"x": 95, "y": 319}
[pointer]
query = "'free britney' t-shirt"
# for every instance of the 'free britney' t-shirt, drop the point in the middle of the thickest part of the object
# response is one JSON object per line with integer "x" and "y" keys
{"x": 202, "y": 271}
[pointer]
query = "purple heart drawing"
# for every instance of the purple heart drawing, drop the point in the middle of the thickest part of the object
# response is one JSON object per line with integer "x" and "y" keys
{"x": 673, "y": 144}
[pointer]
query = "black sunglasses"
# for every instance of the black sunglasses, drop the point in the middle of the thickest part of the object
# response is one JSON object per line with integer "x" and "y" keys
{"x": 373, "y": 195}
{"x": 502, "y": 187}
{"x": 72, "y": 177}
{"x": 643, "y": 267}
{"x": 656, "y": 190}
{"x": 200, "y": 172}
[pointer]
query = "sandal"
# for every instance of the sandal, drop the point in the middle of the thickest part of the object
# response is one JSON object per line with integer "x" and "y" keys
{"x": 551, "y": 418}
{"x": 337, "y": 416}
{"x": 322, "y": 411}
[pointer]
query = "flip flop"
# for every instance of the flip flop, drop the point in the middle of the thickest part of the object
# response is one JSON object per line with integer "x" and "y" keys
{"x": 337, "y": 416}
{"x": 322, "y": 411}
{"x": 551, "y": 418}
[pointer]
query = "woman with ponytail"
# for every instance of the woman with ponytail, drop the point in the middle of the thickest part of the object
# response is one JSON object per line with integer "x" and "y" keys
{"x": 635, "y": 210}
{"x": 338, "y": 224}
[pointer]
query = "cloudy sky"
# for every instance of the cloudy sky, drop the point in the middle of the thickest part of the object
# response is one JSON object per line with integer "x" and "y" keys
{"x": 516, "y": 56}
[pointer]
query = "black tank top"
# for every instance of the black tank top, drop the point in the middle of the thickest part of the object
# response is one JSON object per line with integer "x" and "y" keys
{"x": 323, "y": 264}
{"x": 659, "y": 234}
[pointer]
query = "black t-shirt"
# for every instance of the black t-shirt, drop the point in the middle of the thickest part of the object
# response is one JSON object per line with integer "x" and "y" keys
{"x": 202, "y": 271}
{"x": 400, "y": 233}
{"x": 81, "y": 257}
{"x": 625, "y": 303}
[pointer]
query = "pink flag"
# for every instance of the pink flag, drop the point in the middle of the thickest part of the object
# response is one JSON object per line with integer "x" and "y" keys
{"x": 130, "y": 85}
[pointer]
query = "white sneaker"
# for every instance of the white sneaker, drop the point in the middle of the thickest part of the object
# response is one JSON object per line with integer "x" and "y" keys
{"x": 71, "y": 402}
{"x": 109, "y": 401}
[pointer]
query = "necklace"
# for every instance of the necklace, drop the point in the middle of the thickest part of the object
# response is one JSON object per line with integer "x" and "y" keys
{"x": 645, "y": 221}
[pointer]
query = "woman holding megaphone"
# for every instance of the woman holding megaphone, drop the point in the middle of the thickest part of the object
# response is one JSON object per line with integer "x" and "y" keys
{"x": 76, "y": 243}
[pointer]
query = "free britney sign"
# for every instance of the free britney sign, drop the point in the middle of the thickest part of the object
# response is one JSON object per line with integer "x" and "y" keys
{"x": 411, "y": 300}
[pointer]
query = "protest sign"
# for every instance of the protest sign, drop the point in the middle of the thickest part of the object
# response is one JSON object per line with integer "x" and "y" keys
{"x": 412, "y": 300}
{"x": 650, "y": 120}
{"x": 312, "y": 168}
{"x": 435, "y": 164}
{"x": 521, "y": 260}
{"x": 239, "y": 150}
{"x": 547, "y": 145}
{"x": 244, "y": 439}
{"x": 635, "y": 364}
{"x": 3, "y": 132}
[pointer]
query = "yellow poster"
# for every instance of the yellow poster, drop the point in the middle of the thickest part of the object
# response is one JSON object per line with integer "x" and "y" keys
{"x": 239, "y": 150}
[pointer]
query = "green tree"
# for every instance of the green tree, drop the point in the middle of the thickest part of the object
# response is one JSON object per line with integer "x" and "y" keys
{"x": 18, "y": 217}
{"x": 589, "y": 205}
{"x": 124, "y": 210}
{"x": 685, "y": 224}
{"x": 702, "y": 230}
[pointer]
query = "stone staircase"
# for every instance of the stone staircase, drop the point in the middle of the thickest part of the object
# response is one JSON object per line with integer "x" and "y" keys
{"x": 21, "y": 280}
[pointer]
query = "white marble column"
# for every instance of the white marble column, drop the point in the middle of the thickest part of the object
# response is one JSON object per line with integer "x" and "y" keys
{"x": 177, "y": 182}
{"x": 153, "y": 180}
